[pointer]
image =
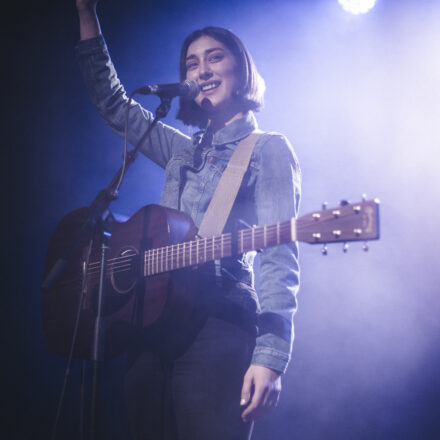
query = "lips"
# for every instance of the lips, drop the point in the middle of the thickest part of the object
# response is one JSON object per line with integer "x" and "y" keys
{"x": 208, "y": 86}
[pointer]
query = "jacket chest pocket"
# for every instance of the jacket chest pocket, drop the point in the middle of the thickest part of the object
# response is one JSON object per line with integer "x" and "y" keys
{"x": 216, "y": 164}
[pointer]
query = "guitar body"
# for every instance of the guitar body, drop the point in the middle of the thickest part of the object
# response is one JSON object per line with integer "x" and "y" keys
{"x": 134, "y": 303}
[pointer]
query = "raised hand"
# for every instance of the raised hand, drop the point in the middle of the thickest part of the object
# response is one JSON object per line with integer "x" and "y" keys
{"x": 88, "y": 20}
{"x": 83, "y": 5}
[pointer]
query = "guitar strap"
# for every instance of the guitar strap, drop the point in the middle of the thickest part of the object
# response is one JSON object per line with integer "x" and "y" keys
{"x": 226, "y": 192}
{"x": 213, "y": 223}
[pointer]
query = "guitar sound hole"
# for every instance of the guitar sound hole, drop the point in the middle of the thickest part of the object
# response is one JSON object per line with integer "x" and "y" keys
{"x": 123, "y": 269}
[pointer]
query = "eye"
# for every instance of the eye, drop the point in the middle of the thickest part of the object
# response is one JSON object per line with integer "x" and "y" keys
{"x": 191, "y": 66}
{"x": 215, "y": 58}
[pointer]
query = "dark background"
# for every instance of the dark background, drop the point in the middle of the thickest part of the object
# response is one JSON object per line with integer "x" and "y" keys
{"x": 359, "y": 99}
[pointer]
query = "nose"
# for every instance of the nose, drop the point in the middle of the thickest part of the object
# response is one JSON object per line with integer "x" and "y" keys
{"x": 205, "y": 71}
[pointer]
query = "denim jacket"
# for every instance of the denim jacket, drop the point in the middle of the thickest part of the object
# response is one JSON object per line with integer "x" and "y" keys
{"x": 269, "y": 193}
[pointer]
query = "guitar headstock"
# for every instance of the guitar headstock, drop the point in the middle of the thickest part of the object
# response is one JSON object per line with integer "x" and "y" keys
{"x": 347, "y": 222}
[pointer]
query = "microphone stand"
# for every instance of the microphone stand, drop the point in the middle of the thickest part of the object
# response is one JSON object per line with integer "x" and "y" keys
{"x": 99, "y": 219}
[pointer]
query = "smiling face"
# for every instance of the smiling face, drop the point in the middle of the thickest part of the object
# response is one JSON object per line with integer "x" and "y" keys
{"x": 212, "y": 65}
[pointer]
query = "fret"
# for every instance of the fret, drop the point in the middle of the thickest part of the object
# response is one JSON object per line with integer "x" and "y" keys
{"x": 159, "y": 253}
{"x": 145, "y": 264}
{"x": 213, "y": 248}
{"x": 171, "y": 257}
{"x": 152, "y": 260}
{"x": 153, "y": 254}
{"x": 157, "y": 260}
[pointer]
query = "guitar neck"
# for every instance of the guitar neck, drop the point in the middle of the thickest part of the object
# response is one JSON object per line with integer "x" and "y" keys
{"x": 202, "y": 250}
{"x": 348, "y": 222}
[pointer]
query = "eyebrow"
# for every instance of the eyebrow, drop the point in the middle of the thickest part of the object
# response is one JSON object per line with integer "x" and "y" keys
{"x": 207, "y": 52}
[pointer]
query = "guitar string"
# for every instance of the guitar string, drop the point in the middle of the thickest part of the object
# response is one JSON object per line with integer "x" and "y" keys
{"x": 113, "y": 259}
{"x": 174, "y": 253}
{"x": 116, "y": 267}
{"x": 180, "y": 254}
{"x": 218, "y": 239}
{"x": 154, "y": 258}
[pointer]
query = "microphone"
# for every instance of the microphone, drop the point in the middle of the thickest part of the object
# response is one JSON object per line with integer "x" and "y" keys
{"x": 187, "y": 89}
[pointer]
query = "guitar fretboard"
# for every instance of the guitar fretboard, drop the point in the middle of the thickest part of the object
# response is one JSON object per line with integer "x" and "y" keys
{"x": 202, "y": 250}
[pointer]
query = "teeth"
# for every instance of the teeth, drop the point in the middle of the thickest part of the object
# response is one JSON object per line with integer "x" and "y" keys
{"x": 209, "y": 87}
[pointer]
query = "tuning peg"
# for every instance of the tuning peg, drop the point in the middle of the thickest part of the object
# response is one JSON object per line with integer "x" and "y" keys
{"x": 324, "y": 250}
{"x": 345, "y": 247}
{"x": 365, "y": 246}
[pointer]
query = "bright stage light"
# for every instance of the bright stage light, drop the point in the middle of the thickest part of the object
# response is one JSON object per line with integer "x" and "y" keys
{"x": 357, "y": 6}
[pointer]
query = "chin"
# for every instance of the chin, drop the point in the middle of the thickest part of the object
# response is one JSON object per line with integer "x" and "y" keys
{"x": 210, "y": 104}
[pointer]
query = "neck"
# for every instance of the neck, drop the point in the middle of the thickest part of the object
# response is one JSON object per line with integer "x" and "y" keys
{"x": 220, "y": 119}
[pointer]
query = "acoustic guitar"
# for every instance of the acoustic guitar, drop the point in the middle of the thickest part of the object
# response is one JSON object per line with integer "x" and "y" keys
{"x": 151, "y": 262}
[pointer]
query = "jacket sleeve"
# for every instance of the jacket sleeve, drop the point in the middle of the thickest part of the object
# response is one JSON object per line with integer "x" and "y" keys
{"x": 277, "y": 194}
{"x": 110, "y": 99}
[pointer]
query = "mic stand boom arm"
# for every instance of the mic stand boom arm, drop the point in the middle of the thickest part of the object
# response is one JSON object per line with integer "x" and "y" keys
{"x": 103, "y": 199}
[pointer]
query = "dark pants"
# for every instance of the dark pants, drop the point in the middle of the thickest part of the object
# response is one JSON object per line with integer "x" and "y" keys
{"x": 197, "y": 395}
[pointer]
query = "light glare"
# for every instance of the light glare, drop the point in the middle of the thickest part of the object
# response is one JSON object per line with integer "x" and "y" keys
{"x": 357, "y": 6}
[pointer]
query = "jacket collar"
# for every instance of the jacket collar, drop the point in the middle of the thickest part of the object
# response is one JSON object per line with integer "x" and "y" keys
{"x": 235, "y": 131}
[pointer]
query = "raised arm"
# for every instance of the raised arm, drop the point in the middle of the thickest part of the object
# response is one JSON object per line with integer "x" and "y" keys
{"x": 109, "y": 97}
{"x": 88, "y": 19}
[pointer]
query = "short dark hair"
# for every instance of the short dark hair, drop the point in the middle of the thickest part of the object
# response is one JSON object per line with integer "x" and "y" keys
{"x": 250, "y": 85}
